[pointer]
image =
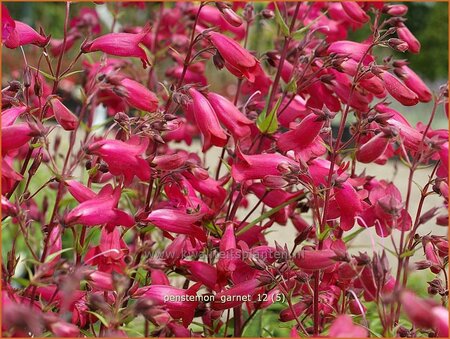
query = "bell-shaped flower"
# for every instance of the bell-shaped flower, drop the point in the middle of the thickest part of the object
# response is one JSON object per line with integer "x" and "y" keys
{"x": 139, "y": 96}
{"x": 120, "y": 44}
{"x": 9, "y": 175}
{"x": 304, "y": 140}
{"x": 349, "y": 203}
{"x": 236, "y": 122}
{"x": 124, "y": 157}
{"x": 102, "y": 209}
{"x": 63, "y": 115}
{"x": 207, "y": 121}
{"x": 177, "y": 221}
{"x": 237, "y": 59}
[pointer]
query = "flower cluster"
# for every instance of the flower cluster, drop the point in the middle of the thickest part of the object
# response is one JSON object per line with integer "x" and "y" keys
{"x": 159, "y": 218}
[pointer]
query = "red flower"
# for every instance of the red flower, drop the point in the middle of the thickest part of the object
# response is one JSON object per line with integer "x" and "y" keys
{"x": 237, "y": 59}
{"x": 207, "y": 121}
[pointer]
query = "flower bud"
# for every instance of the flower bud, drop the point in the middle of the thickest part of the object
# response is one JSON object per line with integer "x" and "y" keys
{"x": 267, "y": 14}
{"x": 398, "y": 44}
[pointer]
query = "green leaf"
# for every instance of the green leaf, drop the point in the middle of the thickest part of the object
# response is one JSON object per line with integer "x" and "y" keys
{"x": 268, "y": 124}
{"x": 353, "y": 235}
{"x": 48, "y": 76}
{"x": 255, "y": 326}
{"x": 324, "y": 234}
{"x": 299, "y": 34}
{"x": 292, "y": 85}
{"x": 409, "y": 253}
{"x": 72, "y": 73}
{"x": 280, "y": 21}
{"x": 269, "y": 213}
{"x": 54, "y": 255}
{"x": 99, "y": 317}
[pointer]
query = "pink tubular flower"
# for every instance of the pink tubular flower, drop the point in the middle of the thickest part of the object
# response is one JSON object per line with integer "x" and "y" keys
{"x": 237, "y": 59}
{"x": 398, "y": 90}
{"x": 202, "y": 272}
{"x": 21, "y": 34}
{"x": 109, "y": 254}
{"x": 230, "y": 116}
{"x": 207, "y": 121}
{"x": 313, "y": 260}
{"x": 349, "y": 204}
{"x": 139, "y": 96}
{"x": 354, "y": 11}
{"x": 180, "y": 303}
{"x": 176, "y": 221}
{"x": 418, "y": 311}
{"x": 15, "y": 136}
{"x": 120, "y": 44}
{"x": 405, "y": 34}
{"x": 100, "y": 210}
{"x": 372, "y": 149}
{"x": 386, "y": 210}
{"x": 124, "y": 158}
{"x": 235, "y": 295}
{"x": 352, "y": 49}
{"x": 343, "y": 327}
{"x": 10, "y": 115}
{"x": 257, "y": 166}
{"x": 63, "y": 115}
{"x": 414, "y": 83}
{"x": 304, "y": 139}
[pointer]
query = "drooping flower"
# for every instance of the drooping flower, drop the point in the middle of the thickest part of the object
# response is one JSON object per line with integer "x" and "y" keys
{"x": 405, "y": 34}
{"x": 349, "y": 203}
{"x": 207, "y": 121}
{"x": 373, "y": 149}
{"x": 109, "y": 254}
{"x": 304, "y": 140}
{"x": 257, "y": 166}
{"x": 10, "y": 115}
{"x": 230, "y": 116}
{"x": 386, "y": 210}
{"x": 237, "y": 59}
{"x": 120, "y": 44}
{"x": 398, "y": 90}
{"x": 314, "y": 260}
{"x": 16, "y": 33}
{"x": 414, "y": 83}
{"x": 15, "y": 136}
{"x": 180, "y": 303}
{"x": 102, "y": 209}
{"x": 354, "y": 50}
{"x": 124, "y": 157}
{"x": 177, "y": 221}
{"x": 139, "y": 96}
{"x": 63, "y": 115}
{"x": 355, "y": 12}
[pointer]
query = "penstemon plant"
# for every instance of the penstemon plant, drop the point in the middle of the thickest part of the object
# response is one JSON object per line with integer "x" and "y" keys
{"x": 150, "y": 158}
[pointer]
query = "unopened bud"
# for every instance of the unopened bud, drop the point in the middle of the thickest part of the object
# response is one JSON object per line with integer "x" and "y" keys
{"x": 398, "y": 44}
{"x": 267, "y": 14}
